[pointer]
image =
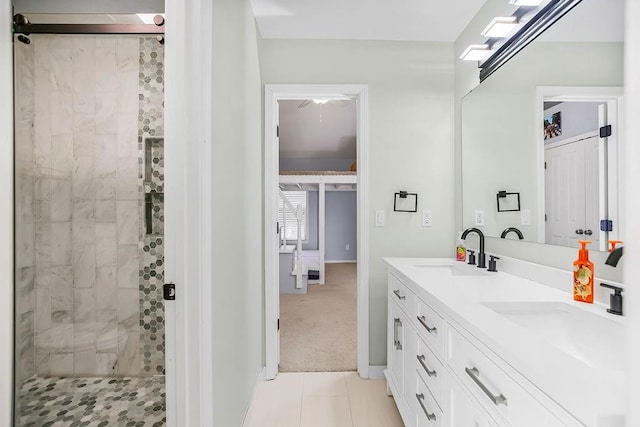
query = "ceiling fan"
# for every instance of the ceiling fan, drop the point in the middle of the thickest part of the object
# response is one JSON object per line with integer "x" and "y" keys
{"x": 320, "y": 101}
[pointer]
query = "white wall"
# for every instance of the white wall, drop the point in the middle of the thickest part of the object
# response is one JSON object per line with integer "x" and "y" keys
{"x": 341, "y": 226}
{"x": 6, "y": 215}
{"x": 236, "y": 157}
{"x": 410, "y": 134}
{"x": 576, "y": 118}
{"x": 632, "y": 249}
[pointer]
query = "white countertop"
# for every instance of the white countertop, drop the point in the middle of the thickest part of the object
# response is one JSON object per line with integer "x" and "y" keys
{"x": 594, "y": 395}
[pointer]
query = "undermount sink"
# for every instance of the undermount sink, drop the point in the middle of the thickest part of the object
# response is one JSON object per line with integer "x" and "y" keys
{"x": 594, "y": 339}
{"x": 454, "y": 270}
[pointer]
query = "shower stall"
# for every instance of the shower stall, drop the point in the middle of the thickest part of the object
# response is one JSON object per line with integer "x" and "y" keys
{"x": 89, "y": 159}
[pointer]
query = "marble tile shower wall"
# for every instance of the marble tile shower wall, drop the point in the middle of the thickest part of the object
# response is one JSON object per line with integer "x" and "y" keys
{"x": 25, "y": 214}
{"x": 86, "y": 197}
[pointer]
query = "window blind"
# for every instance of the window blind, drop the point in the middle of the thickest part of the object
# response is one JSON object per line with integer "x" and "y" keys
{"x": 297, "y": 198}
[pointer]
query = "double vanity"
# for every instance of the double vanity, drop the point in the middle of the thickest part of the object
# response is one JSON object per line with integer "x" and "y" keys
{"x": 468, "y": 347}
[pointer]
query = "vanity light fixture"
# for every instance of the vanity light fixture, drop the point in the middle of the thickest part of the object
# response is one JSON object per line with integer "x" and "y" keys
{"x": 526, "y": 2}
{"x": 475, "y": 52}
{"x": 321, "y": 101}
{"x": 500, "y": 27}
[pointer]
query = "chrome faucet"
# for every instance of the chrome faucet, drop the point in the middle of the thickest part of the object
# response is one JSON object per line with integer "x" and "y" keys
{"x": 614, "y": 256}
{"x": 481, "y": 254}
{"x": 511, "y": 230}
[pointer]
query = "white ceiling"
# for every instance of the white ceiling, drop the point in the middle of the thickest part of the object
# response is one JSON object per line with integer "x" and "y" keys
{"x": 318, "y": 131}
{"x": 418, "y": 20}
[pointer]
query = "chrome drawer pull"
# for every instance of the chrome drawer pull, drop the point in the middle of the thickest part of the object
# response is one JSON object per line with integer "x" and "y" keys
{"x": 395, "y": 332}
{"x": 474, "y": 374}
{"x": 429, "y": 329}
{"x": 420, "y": 397}
{"x": 421, "y": 359}
{"x": 397, "y": 323}
{"x": 397, "y": 292}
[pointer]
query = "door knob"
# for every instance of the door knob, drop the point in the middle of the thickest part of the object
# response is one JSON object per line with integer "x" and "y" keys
{"x": 588, "y": 232}
{"x": 580, "y": 231}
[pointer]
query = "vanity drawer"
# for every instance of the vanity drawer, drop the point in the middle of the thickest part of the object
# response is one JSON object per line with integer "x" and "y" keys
{"x": 428, "y": 413}
{"x": 430, "y": 327}
{"x": 399, "y": 293}
{"x": 497, "y": 391}
{"x": 430, "y": 369}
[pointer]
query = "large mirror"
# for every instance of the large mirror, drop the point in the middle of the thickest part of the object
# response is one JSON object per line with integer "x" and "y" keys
{"x": 539, "y": 162}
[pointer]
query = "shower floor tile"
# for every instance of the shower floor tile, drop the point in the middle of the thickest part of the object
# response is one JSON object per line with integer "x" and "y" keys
{"x": 72, "y": 402}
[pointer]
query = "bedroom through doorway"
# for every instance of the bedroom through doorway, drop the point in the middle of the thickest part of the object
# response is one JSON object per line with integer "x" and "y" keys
{"x": 317, "y": 225}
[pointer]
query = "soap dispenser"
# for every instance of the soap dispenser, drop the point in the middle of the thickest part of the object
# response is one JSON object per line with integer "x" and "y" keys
{"x": 583, "y": 275}
{"x": 461, "y": 249}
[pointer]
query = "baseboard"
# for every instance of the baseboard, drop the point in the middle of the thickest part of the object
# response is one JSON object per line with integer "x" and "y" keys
{"x": 376, "y": 371}
{"x": 261, "y": 377}
{"x": 343, "y": 261}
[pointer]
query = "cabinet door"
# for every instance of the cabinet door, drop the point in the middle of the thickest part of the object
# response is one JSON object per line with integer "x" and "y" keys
{"x": 463, "y": 412}
{"x": 397, "y": 343}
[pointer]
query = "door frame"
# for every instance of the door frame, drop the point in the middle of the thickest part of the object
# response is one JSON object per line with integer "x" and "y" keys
{"x": 189, "y": 336}
{"x": 272, "y": 94}
{"x": 613, "y": 97}
{"x": 7, "y": 319}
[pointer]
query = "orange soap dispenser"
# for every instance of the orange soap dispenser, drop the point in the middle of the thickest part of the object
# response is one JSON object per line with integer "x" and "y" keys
{"x": 583, "y": 275}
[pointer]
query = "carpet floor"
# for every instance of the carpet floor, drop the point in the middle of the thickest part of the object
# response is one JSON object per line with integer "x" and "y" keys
{"x": 318, "y": 330}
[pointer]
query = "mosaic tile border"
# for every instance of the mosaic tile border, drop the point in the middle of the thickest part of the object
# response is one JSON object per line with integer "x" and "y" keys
{"x": 151, "y": 172}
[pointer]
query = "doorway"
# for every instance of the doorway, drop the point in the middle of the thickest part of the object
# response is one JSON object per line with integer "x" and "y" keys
{"x": 303, "y": 95}
{"x": 579, "y": 151}
{"x": 318, "y": 229}
{"x": 89, "y": 228}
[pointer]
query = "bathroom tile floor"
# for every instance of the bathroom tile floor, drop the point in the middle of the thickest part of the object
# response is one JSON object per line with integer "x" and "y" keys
{"x": 323, "y": 399}
{"x": 72, "y": 402}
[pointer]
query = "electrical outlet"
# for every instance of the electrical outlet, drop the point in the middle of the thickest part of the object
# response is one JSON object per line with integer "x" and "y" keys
{"x": 379, "y": 218}
{"x": 525, "y": 217}
{"x": 347, "y": 247}
{"x": 479, "y": 218}
{"x": 426, "y": 218}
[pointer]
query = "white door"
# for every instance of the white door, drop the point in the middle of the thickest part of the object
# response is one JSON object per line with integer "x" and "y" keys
{"x": 573, "y": 193}
{"x": 276, "y": 252}
{"x": 396, "y": 349}
{"x": 565, "y": 196}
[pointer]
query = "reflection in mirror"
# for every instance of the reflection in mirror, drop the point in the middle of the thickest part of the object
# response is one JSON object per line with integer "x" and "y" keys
{"x": 580, "y": 170}
{"x": 565, "y": 86}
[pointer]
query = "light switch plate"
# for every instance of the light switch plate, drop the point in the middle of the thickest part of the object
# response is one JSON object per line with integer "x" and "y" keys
{"x": 426, "y": 218}
{"x": 525, "y": 217}
{"x": 479, "y": 218}
{"x": 379, "y": 218}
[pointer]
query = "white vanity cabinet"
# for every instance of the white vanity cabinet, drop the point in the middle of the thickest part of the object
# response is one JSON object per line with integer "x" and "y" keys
{"x": 399, "y": 346}
{"x": 463, "y": 410}
{"x": 441, "y": 375}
